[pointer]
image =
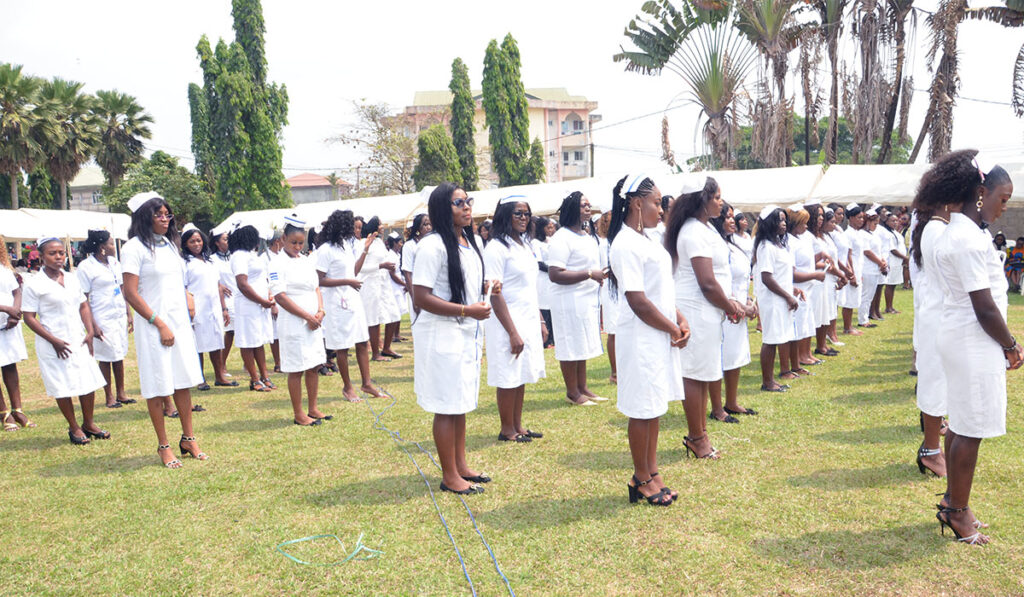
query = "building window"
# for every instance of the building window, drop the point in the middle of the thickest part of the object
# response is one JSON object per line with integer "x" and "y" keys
{"x": 577, "y": 125}
{"x": 577, "y": 156}
{"x": 96, "y": 197}
{"x": 565, "y": 127}
{"x": 565, "y": 158}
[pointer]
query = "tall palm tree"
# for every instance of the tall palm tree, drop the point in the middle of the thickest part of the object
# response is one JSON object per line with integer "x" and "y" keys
{"x": 872, "y": 88}
{"x": 1012, "y": 15}
{"x": 699, "y": 44}
{"x": 899, "y": 13}
{"x": 79, "y": 127}
{"x": 772, "y": 27}
{"x": 124, "y": 125}
{"x": 830, "y": 27}
{"x": 23, "y": 123}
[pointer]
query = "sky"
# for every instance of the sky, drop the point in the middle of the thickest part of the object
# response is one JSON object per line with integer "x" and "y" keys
{"x": 331, "y": 54}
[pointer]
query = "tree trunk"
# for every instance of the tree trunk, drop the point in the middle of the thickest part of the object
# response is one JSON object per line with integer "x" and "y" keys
{"x": 807, "y": 134}
{"x": 64, "y": 194}
{"x": 831, "y": 141}
{"x": 924, "y": 132}
{"x": 890, "y": 116}
{"x": 14, "y": 189}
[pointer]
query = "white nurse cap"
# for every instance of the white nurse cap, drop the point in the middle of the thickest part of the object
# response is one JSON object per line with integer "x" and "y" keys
{"x": 513, "y": 199}
{"x": 812, "y": 202}
{"x": 141, "y": 199}
{"x": 631, "y": 184}
{"x": 767, "y": 211}
{"x": 693, "y": 185}
{"x": 852, "y": 205}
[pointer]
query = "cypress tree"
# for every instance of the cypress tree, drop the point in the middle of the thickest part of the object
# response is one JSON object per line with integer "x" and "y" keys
{"x": 438, "y": 159}
{"x": 506, "y": 109}
{"x": 463, "y": 110}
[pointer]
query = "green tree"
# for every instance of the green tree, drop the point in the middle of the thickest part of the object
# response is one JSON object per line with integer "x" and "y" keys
{"x": 5, "y": 189}
{"x": 184, "y": 190}
{"x": 24, "y": 123}
{"x": 79, "y": 131}
{"x": 237, "y": 117}
{"x": 463, "y": 110}
{"x": 124, "y": 125}
{"x": 535, "y": 169}
{"x": 438, "y": 160}
{"x": 44, "y": 191}
{"x": 505, "y": 107}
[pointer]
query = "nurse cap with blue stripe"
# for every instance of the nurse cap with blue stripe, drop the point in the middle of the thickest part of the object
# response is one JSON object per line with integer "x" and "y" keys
{"x": 513, "y": 199}
{"x": 293, "y": 220}
{"x": 631, "y": 184}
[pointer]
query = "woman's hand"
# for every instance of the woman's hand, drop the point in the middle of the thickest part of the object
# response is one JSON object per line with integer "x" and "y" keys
{"x": 269, "y": 303}
{"x": 751, "y": 309}
{"x": 369, "y": 241}
{"x": 13, "y": 317}
{"x": 516, "y": 344}
{"x": 819, "y": 275}
{"x": 131, "y": 324}
{"x": 479, "y": 311}
{"x": 225, "y": 291}
{"x": 543, "y": 332}
{"x": 353, "y": 282}
{"x": 495, "y": 287}
{"x": 313, "y": 321}
{"x": 388, "y": 266}
{"x": 1015, "y": 357}
{"x": 62, "y": 348}
{"x": 166, "y": 335}
{"x": 87, "y": 342}
{"x": 598, "y": 275}
{"x": 96, "y": 331}
{"x": 684, "y": 331}
{"x": 799, "y": 294}
{"x": 227, "y": 316}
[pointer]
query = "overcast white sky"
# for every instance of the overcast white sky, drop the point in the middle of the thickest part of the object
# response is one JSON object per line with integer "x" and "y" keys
{"x": 331, "y": 53}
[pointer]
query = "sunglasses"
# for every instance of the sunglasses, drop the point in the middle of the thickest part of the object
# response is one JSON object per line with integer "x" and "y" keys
{"x": 460, "y": 203}
{"x": 521, "y": 214}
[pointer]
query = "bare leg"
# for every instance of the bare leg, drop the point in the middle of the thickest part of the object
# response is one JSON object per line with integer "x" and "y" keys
{"x": 787, "y": 361}
{"x": 715, "y": 393}
{"x": 445, "y": 441}
{"x": 363, "y": 359}
{"x": 732, "y": 385}
{"x": 88, "y": 403}
{"x": 229, "y": 338}
{"x": 962, "y": 459}
{"x": 640, "y": 448}
{"x": 506, "y": 411}
{"x": 611, "y": 359}
{"x": 312, "y": 393}
{"x": 67, "y": 408}
{"x": 12, "y": 381}
{"x": 517, "y": 410}
{"x": 155, "y": 406}
{"x": 875, "y": 302}
{"x": 375, "y": 342}
{"x": 821, "y": 338}
{"x": 261, "y": 361}
{"x": 832, "y": 331}
{"x": 768, "y": 366}
{"x": 107, "y": 390}
{"x": 348, "y": 392}
{"x": 168, "y": 406}
{"x": 581, "y": 379}
{"x": 218, "y": 366}
{"x": 183, "y": 400}
{"x": 249, "y": 361}
{"x": 295, "y": 395}
{"x": 937, "y": 463}
{"x": 695, "y": 408}
{"x": 890, "y": 291}
{"x": 275, "y": 351}
{"x": 390, "y": 331}
{"x": 572, "y": 387}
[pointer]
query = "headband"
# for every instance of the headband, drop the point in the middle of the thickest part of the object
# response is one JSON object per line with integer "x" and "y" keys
{"x": 141, "y": 199}
{"x": 513, "y": 199}
{"x": 42, "y": 240}
{"x": 595, "y": 217}
{"x": 767, "y": 211}
{"x": 981, "y": 164}
{"x": 692, "y": 185}
{"x": 394, "y": 235}
{"x": 852, "y": 205}
{"x": 796, "y": 206}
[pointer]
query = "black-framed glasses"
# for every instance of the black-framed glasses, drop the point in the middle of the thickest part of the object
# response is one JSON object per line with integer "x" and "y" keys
{"x": 460, "y": 203}
{"x": 521, "y": 214}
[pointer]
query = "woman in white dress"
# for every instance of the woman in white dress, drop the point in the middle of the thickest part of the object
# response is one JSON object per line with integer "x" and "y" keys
{"x": 807, "y": 273}
{"x": 515, "y": 335}
{"x": 700, "y": 260}
{"x": 897, "y": 259}
{"x": 776, "y": 296}
{"x": 228, "y": 289}
{"x": 165, "y": 346}
{"x": 838, "y": 237}
{"x": 253, "y": 302}
{"x": 975, "y": 344}
{"x": 607, "y": 299}
{"x": 651, "y": 330}
{"x": 99, "y": 275}
{"x": 273, "y": 252}
{"x": 345, "y": 324}
{"x": 875, "y": 269}
{"x": 12, "y": 344}
{"x": 825, "y": 252}
{"x": 394, "y": 244}
{"x": 735, "y": 334}
{"x": 418, "y": 228}
{"x": 574, "y": 268}
{"x": 58, "y": 312}
{"x": 296, "y": 289}
{"x": 378, "y": 299}
{"x": 543, "y": 229}
{"x": 448, "y": 281}
{"x": 202, "y": 281}
{"x": 742, "y": 237}
{"x": 849, "y": 297}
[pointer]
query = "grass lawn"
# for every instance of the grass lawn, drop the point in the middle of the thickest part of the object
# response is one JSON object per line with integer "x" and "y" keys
{"x": 817, "y": 495}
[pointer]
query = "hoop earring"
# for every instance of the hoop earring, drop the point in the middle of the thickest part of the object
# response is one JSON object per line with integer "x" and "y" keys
{"x": 979, "y": 204}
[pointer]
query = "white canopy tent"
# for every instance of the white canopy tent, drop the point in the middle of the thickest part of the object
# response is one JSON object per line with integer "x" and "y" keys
{"x": 28, "y": 224}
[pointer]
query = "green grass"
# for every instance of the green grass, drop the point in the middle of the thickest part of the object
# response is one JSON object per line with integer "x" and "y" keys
{"x": 817, "y": 495}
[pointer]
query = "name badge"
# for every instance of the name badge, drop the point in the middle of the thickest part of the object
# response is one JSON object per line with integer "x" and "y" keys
{"x": 117, "y": 291}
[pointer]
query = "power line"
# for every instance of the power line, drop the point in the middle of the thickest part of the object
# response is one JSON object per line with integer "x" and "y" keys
{"x": 608, "y": 126}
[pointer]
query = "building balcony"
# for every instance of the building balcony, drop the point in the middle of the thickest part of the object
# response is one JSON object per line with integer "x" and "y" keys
{"x": 575, "y": 170}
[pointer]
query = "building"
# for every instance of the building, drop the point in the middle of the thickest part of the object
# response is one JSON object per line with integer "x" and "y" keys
{"x": 85, "y": 190}
{"x": 562, "y": 122}
{"x": 313, "y": 188}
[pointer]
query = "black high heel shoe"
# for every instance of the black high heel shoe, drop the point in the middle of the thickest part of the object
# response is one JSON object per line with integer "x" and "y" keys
{"x": 197, "y": 456}
{"x": 687, "y": 440}
{"x": 101, "y": 434}
{"x": 944, "y": 522}
{"x": 79, "y": 441}
{"x": 672, "y": 494}
{"x": 923, "y": 453}
{"x": 658, "y": 499}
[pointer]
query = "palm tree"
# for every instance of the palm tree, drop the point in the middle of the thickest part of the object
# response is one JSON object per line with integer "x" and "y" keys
{"x": 79, "y": 127}
{"x": 899, "y": 11}
{"x": 938, "y": 120}
{"x": 772, "y": 27}
{"x": 22, "y": 124}
{"x": 830, "y": 26}
{"x": 124, "y": 125}
{"x": 699, "y": 44}
{"x": 1012, "y": 15}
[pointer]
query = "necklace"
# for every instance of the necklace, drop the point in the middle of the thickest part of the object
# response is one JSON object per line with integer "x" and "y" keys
{"x": 941, "y": 219}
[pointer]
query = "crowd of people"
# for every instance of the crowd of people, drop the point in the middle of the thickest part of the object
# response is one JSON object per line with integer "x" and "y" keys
{"x": 678, "y": 284}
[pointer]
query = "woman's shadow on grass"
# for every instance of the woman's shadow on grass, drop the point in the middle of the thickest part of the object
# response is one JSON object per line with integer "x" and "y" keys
{"x": 853, "y": 550}
{"x": 98, "y": 465}
{"x": 546, "y": 514}
{"x": 876, "y": 477}
{"x": 394, "y": 489}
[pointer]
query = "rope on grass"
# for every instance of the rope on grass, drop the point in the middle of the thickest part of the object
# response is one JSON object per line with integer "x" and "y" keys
{"x": 370, "y": 553}
{"x": 400, "y": 441}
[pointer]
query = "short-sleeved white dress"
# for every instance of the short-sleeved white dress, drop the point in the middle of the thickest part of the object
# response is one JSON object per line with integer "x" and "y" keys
{"x": 872, "y": 276}
{"x": 202, "y": 280}
{"x": 102, "y": 284}
{"x": 378, "y": 297}
{"x": 345, "y": 319}
{"x": 575, "y": 308}
{"x": 269, "y": 257}
{"x": 802, "y": 249}
{"x": 253, "y": 323}
{"x": 898, "y": 243}
{"x": 736, "y": 336}
{"x": 848, "y": 253}
{"x": 648, "y": 366}
{"x": 974, "y": 362}
{"x": 401, "y": 296}
{"x": 931, "y": 374}
{"x": 301, "y": 348}
{"x": 12, "y": 341}
{"x": 702, "y": 356}
{"x": 161, "y": 272}
{"x": 447, "y": 349}
{"x": 57, "y": 307}
{"x": 776, "y": 318}
{"x": 514, "y": 267}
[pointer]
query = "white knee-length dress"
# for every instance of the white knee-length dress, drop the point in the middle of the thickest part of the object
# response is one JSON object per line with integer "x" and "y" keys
{"x": 253, "y": 323}
{"x": 345, "y": 320}
{"x": 975, "y": 363}
{"x": 514, "y": 266}
{"x": 648, "y": 366}
{"x": 447, "y": 350}
{"x": 401, "y": 296}
{"x": 802, "y": 249}
{"x": 736, "y": 336}
{"x": 931, "y": 374}
{"x": 102, "y": 284}
{"x": 12, "y": 341}
{"x": 378, "y": 297}
{"x": 162, "y": 272}
{"x": 776, "y": 317}
{"x": 227, "y": 279}
{"x": 202, "y": 280}
{"x": 848, "y": 250}
{"x": 295, "y": 277}
{"x": 57, "y": 307}
{"x": 575, "y": 308}
{"x": 702, "y": 356}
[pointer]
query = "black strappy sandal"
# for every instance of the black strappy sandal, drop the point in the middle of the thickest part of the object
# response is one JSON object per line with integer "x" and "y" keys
{"x": 748, "y": 411}
{"x": 923, "y": 453}
{"x": 519, "y": 438}
{"x": 101, "y": 434}
{"x": 687, "y": 440}
{"x": 944, "y": 522}
{"x": 659, "y": 499}
{"x": 672, "y": 494}
{"x": 467, "y": 491}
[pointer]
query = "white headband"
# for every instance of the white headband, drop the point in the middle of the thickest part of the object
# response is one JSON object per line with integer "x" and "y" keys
{"x": 767, "y": 211}
{"x": 513, "y": 199}
{"x": 631, "y": 184}
{"x": 871, "y": 212}
{"x": 42, "y": 240}
{"x": 595, "y": 217}
{"x": 691, "y": 185}
{"x": 796, "y": 206}
{"x": 394, "y": 235}
{"x": 141, "y": 199}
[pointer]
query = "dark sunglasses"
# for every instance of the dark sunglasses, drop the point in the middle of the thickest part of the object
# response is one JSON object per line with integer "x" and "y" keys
{"x": 460, "y": 203}
{"x": 521, "y": 214}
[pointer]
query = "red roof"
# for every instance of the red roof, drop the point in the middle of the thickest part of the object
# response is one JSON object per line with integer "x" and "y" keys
{"x": 311, "y": 180}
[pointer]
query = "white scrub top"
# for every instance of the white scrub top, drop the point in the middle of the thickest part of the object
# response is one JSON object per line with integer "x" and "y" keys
{"x": 227, "y": 279}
